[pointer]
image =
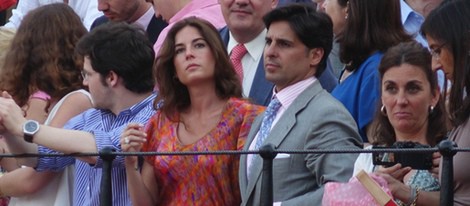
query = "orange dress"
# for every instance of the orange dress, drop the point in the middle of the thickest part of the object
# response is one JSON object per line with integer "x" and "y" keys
{"x": 200, "y": 179}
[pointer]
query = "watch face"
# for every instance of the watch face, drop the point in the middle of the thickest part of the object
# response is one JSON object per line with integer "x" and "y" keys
{"x": 31, "y": 126}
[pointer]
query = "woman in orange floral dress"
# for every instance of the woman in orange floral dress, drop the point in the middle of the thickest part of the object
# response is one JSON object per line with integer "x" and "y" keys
{"x": 203, "y": 110}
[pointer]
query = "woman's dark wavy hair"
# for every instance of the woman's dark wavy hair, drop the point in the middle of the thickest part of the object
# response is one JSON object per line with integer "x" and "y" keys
{"x": 42, "y": 54}
{"x": 449, "y": 24}
{"x": 174, "y": 94}
{"x": 414, "y": 54}
{"x": 372, "y": 25}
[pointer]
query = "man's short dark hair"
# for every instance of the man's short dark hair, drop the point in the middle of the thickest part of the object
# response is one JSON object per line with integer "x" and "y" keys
{"x": 123, "y": 49}
{"x": 314, "y": 29}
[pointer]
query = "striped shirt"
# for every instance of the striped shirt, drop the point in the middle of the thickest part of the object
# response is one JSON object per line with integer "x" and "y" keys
{"x": 107, "y": 129}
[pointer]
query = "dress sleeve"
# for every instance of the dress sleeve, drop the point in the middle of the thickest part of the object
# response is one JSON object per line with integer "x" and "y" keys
{"x": 252, "y": 111}
{"x": 21, "y": 10}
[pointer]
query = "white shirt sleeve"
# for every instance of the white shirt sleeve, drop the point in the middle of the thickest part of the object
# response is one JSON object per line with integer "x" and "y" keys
{"x": 364, "y": 162}
{"x": 23, "y": 7}
{"x": 87, "y": 10}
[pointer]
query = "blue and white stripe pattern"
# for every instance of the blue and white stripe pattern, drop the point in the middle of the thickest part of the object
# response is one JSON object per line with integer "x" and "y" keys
{"x": 107, "y": 129}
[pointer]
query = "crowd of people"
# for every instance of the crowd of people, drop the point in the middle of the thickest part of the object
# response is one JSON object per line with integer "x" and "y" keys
{"x": 208, "y": 75}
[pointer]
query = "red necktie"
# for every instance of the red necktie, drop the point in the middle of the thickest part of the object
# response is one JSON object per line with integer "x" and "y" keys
{"x": 236, "y": 57}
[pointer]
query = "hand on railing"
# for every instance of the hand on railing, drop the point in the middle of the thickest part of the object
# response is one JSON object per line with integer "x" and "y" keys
{"x": 132, "y": 140}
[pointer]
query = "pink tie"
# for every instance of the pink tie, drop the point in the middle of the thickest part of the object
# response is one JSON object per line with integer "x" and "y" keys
{"x": 236, "y": 57}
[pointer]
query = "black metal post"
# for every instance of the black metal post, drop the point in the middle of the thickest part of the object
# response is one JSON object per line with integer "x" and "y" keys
{"x": 446, "y": 148}
{"x": 268, "y": 154}
{"x": 106, "y": 195}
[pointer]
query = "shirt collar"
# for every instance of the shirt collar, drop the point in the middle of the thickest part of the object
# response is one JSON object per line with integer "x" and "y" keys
{"x": 253, "y": 47}
{"x": 287, "y": 95}
{"x": 136, "y": 108}
{"x": 406, "y": 11}
{"x": 145, "y": 19}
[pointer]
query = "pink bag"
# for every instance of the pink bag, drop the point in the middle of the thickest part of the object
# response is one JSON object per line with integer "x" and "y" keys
{"x": 353, "y": 193}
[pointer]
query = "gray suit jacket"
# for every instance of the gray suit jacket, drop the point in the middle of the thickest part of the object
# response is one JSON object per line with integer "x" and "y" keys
{"x": 315, "y": 120}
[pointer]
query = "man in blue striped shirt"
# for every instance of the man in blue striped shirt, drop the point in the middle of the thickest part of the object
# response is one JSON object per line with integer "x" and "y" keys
{"x": 118, "y": 60}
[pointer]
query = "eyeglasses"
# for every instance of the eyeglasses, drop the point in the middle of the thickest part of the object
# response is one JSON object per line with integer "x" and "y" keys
{"x": 84, "y": 75}
{"x": 436, "y": 52}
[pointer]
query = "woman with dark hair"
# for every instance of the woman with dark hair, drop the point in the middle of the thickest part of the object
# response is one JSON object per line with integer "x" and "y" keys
{"x": 371, "y": 28}
{"x": 447, "y": 30}
{"x": 42, "y": 73}
{"x": 202, "y": 111}
{"x": 417, "y": 56}
{"x": 410, "y": 112}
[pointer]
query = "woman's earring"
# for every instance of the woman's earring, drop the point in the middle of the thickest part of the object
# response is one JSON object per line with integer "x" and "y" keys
{"x": 346, "y": 17}
{"x": 431, "y": 109}
{"x": 383, "y": 110}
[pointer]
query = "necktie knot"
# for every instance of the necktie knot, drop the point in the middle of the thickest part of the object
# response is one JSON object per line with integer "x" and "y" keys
{"x": 238, "y": 52}
{"x": 272, "y": 108}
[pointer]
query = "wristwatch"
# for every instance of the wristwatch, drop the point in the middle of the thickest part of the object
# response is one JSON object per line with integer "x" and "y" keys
{"x": 30, "y": 128}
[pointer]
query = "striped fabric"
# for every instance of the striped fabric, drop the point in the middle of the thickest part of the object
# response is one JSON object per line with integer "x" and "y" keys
{"x": 107, "y": 129}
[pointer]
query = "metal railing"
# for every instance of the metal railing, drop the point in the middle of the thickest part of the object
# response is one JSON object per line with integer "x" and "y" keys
{"x": 447, "y": 149}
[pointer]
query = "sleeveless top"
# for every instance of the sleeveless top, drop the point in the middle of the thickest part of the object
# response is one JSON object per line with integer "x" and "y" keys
{"x": 59, "y": 190}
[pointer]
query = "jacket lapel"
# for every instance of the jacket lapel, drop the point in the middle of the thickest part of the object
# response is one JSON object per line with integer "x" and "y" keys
{"x": 255, "y": 126}
{"x": 282, "y": 128}
{"x": 224, "y": 34}
{"x": 278, "y": 133}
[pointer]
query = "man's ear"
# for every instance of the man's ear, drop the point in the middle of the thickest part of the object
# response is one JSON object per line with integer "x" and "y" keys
{"x": 112, "y": 78}
{"x": 316, "y": 54}
{"x": 274, "y": 3}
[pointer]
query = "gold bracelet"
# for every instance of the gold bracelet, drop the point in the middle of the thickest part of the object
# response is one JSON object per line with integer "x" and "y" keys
{"x": 415, "y": 201}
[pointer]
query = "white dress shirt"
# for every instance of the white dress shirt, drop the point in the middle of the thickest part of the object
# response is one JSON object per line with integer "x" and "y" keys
{"x": 251, "y": 60}
{"x": 87, "y": 10}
